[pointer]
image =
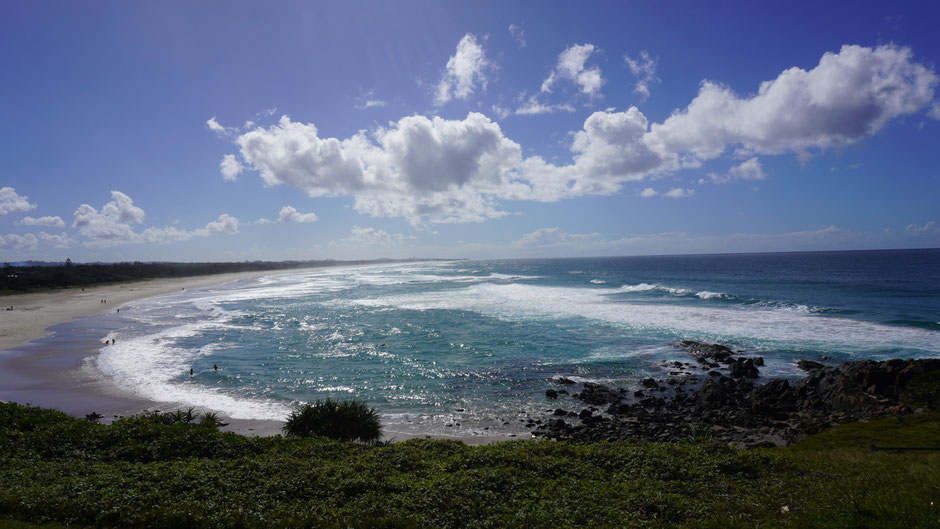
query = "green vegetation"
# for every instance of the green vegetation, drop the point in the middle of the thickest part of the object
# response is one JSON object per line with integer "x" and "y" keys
{"x": 18, "y": 279}
{"x": 347, "y": 420}
{"x": 155, "y": 471}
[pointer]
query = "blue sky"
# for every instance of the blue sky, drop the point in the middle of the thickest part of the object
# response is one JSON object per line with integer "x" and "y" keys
{"x": 310, "y": 130}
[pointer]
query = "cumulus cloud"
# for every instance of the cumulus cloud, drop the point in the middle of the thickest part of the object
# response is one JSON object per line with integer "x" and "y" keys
{"x": 748, "y": 170}
{"x": 935, "y": 110}
{"x": 11, "y": 202}
{"x": 230, "y": 167}
{"x": 648, "y": 192}
{"x": 464, "y": 72}
{"x": 441, "y": 169}
{"x": 59, "y": 240}
{"x": 54, "y": 222}
{"x": 678, "y": 192}
{"x": 370, "y": 237}
{"x": 289, "y": 214}
{"x": 550, "y": 237}
{"x": 112, "y": 225}
{"x": 14, "y": 242}
{"x": 644, "y": 69}
{"x": 438, "y": 170}
{"x": 225, "y": 225}
{"x": 216, "y": 127}
{"x": 848, "y": 96}
{"x": 570, "y": 66}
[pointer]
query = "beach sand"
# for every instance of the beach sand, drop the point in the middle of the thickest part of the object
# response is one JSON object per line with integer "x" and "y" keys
{"x": 47, "y": 359}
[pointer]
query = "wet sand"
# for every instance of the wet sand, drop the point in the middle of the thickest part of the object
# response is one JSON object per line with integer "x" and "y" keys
{"x": 49, "y": 342}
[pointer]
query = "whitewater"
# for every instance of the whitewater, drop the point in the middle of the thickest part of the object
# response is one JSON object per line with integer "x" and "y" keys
{"x": 469, "y": 347}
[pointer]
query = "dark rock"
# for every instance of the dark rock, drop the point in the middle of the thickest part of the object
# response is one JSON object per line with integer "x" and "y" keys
{"x": 706, "y": 353}
{"x": 563, "y": 392}
{"x": 597, "y": 394}
{"x": 585, "y": 414}
{"x": 759, "y": 361}
{"x": 560, "y": 411}
{"x": 809, "y": 365}
{"x": 714, "y": 373}
{"x": 639, "y": 394}
{"x": 649, "y": 383}
{"x": 551, "y": 394}
{"x": 564, "y": 381}
{"x": 743, "y": 368}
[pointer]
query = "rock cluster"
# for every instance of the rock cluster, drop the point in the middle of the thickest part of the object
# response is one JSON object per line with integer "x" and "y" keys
{"x": 731, "y": 407}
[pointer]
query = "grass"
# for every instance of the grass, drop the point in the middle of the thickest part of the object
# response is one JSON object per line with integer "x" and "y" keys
{"x": 141, "y": 472}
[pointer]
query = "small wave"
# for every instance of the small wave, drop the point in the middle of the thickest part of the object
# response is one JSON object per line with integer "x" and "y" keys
{"x": 712, "y": 295}
{"x": 598, "y": 281}
{"x": 511, "y": 277}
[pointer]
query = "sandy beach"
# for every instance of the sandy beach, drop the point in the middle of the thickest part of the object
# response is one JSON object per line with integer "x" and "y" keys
{"x": 47, "y": 356}
{"x": 34, "y": 313}
{"x": 46, "y": 359}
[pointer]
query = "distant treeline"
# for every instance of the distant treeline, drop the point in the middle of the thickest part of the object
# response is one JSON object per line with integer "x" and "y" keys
{"x": 27, "y": 278}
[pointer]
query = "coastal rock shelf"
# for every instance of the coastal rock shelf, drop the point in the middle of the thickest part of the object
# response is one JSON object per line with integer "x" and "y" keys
{"x": 732, "y": 408}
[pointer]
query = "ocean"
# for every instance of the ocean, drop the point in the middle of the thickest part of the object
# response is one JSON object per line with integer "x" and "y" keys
{"x": 468, "y": 348}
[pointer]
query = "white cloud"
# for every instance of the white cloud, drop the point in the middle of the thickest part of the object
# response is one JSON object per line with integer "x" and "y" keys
{"x": 429, "y": 169}
{"x": 289, "y": 214}
{"x": 112, "y": 225}
{"x": 369, "y": 101}
{"x": 59, "y": 240}
{"x": 929, "y": 227}
{"x": 518, "y": 34}
{"x": 444, "y": 170}
{"x": 10, "y": 202}
{"x": 216, "y": 127}
{"x": 225, "y": 225}
{"x": 465, "y": 70}
{"x": 551, "y": 237}
{"x": 532, "y": 107}
{"x": 848, "y": 96}
{"x": 750, "y": 170}
{"x": 54, "y": 222}
{"x": 678, "y": 192}
{"x": 644, "y": 68}
{"x": 648, "y": 192}
{"x": 611, "y": 147}
{"x": 14, "y": 242}
{"x": 935, "y": 110}
{"x": 230, "y": 167}
{"x": 370, "y": 237}
{"x": 571, "y": 67}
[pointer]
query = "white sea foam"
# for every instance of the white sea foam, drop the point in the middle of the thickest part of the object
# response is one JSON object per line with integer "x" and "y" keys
{"x": 520, "y": 302}
{"x": 598, "y": 281}
{"x": 151, "y": 366}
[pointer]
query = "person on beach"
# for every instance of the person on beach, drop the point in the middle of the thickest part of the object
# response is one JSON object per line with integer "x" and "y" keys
{"x": 190, "y": 371}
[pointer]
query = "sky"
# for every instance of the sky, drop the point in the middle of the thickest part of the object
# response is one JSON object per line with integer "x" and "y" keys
{"x": 221, "y": 131}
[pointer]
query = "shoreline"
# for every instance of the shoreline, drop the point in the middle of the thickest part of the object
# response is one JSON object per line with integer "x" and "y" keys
{"x": 50, "y": 341}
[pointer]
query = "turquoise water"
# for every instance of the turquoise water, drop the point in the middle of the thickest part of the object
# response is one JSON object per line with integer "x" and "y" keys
{"x": 431, "y": 345}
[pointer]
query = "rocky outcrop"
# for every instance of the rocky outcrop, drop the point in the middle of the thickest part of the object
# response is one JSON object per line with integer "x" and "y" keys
{"x": 738, "y": 411}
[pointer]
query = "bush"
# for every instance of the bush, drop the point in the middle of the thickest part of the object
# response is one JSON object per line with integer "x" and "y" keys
{"x": 347, "y": 420}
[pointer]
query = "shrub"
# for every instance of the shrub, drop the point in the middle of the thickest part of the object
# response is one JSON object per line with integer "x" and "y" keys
{"x": 347, "y": 420}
